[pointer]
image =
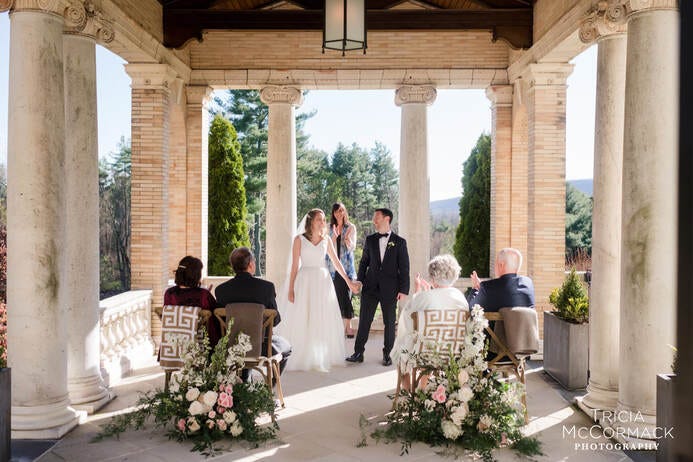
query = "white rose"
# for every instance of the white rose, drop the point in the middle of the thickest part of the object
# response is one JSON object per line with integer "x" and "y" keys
{"x": 462, "y": 377}
{"x": 192, "y": 394}
{"x": 210, "y": 398}
{"x": 459, "y": 414}
{"x": 229, "y": 417}
{"x": 193, "y": 426}
{"x": 197, "y": 408}
{"x": 466, "y": 393}
{"x": 236, "y": 428}
{"x": 450, "y": 430}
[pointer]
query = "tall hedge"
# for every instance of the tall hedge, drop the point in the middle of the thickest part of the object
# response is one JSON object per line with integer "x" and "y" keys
{"x": 227, "y": 202}
{"x": 473, "y": 236}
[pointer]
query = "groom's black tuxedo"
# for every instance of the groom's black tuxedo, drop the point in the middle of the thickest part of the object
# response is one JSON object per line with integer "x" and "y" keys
{"x": 382, "y": 281}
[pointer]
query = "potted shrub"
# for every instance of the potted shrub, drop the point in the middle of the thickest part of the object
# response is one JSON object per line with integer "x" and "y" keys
{"x": 4, "y": 388}
{"x": 566, "y": 334}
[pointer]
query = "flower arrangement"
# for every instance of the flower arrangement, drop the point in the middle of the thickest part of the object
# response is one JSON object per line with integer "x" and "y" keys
{"x": 206, "y": 400}
{"x": 3, "y": 335}
{"x": 458, "y": 402}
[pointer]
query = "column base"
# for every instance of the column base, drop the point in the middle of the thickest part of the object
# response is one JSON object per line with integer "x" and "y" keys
{"x": 50, "y": 421}
{"x": 88, "y": 393}
{"x": 633, "y": 427}
{"x": 597, "y": 401}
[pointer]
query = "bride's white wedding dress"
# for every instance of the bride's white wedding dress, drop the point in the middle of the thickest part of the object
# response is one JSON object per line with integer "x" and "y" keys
{"x": 313, "y": 323}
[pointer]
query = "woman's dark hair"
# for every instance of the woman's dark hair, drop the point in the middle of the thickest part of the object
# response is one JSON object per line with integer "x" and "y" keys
{"x": 335, "y": 207}
{"x": 189, "y": 272}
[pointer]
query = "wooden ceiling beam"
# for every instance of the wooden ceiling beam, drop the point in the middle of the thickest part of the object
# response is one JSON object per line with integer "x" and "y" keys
{"x": 513, "y": 25}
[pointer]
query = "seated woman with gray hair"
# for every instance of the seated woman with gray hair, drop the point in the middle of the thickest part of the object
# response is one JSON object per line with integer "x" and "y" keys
{"x": 439, "y": 294}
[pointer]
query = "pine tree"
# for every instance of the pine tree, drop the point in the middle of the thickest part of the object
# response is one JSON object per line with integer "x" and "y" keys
{"x": 227, "y": 201}
{"x": 578, "y": 221}
{"x": 473, "y": 236}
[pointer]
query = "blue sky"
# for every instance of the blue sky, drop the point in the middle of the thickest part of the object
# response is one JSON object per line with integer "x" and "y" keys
{"x": 456, "y": 119}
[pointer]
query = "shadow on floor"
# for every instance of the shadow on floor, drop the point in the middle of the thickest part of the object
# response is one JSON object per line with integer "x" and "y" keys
{"x": 29, "y": 450}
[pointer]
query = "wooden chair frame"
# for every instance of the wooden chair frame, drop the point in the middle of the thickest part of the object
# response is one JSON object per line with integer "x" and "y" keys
{"x": 269, "y": 363}
{"x": 514, "y": 364}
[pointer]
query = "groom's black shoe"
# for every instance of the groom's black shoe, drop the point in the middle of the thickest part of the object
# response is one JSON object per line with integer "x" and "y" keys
{"x": 355, "y": 358}
{"x": 387, "y": 361}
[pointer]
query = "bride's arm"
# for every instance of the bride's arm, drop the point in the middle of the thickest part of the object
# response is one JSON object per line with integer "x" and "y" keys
{"x": 338, "y": 266}
{"x": 295, "y": 255}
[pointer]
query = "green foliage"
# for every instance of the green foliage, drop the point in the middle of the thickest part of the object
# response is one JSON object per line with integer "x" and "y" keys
{"x": 227, "y": 200}
{"x": 473, "y": 236}
{"x": 206, "y": 401}
{"x": 114, "y": 218}
{"x": 570, "y": 300}
{"x": 578, "y": 221}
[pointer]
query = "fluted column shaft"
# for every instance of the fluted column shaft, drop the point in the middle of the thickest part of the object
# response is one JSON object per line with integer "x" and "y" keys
{"x": 501, "y": 97}
{"x": 281, "y": 178}
{"x": 81, "y": 271}
{"x": 414, "y": 192}
{"x": 37, "y": 340}
{"x": 648, "y": 252}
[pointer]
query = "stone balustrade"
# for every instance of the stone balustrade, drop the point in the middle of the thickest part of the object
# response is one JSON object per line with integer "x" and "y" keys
{"x": 126, "y": 340}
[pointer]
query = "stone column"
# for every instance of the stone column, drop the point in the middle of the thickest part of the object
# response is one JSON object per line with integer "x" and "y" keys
{"x": 501, "y": 97}
{"x": 178, "y": 179}
{"x": 414, "y": 192}
{"x": 197, "y": 127}
{"x": 281, "y": 178}
{"x": 546, "y": 100}
{"x": 37, "y": 336}
{"x": 649, "y": 241}
{"x": 605, "y": 292}
{"x": 152, "y": 88}
{"x": 80, "y": 276}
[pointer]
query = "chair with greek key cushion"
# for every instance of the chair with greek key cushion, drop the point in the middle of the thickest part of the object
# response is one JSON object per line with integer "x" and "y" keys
{"x": 178, "y": 323}
{"x": 441, "y": 332}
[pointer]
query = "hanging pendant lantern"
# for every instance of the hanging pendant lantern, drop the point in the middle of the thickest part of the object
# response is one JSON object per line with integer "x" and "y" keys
{"x": 345, "y": 25}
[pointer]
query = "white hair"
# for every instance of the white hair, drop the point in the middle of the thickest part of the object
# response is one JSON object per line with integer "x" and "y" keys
{"x": 444, "y": 270}
{"x": 511, "y": 258}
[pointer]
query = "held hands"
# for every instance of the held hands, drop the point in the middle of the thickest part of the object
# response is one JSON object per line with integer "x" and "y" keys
{"x": 401, "y": 297}
{"x": 355, "y": 286}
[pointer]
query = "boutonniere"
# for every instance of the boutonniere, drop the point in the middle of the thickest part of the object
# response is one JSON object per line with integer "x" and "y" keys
{"x": 390, "y": 244}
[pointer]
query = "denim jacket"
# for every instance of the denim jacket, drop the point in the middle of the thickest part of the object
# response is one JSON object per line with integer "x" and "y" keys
{"x": 346, "y": 255}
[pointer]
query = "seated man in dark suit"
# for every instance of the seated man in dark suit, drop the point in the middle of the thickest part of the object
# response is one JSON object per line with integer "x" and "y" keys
{"x": 508, "y": 289}
{"x": 246, "y": 288}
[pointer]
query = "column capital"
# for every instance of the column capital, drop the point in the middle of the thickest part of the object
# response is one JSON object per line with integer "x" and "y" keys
{"x": 636, "y": 6}
{"x": 272, "y": 94}
{"x": 604, "y": 19}
{"x": 152, "y": 76}
{"x": 198, "y": 95}
{"x": 86, "y": 19}
{"x": 422, "y": 94}
{"x": 57, "y": 7}
{"x": 500, "y": 95}
{"x": 547, "y": 74}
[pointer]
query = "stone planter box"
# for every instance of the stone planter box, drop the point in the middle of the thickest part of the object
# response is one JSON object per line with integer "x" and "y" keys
{"x": 5, "y": 390}
{"x": 566, "y": 351}
{"x": 665, "y": 414}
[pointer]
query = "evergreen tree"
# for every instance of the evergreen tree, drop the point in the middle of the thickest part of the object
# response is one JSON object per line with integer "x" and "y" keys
{"x": 578, "y": 221}
{"x": 227, "y": 200}
{"x": 385, "y": 178}
{"x": 473, "y": 237}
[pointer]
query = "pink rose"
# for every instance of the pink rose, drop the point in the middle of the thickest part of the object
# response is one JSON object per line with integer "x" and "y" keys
{"x": 221, "y": 409}
{"x": 229, "y": 389}
{"x": 504, "y": 438}
{"x": 212, "y": 414}
{"x": 181, "y": 425}
{"x": 210, "y": 424}
{"x": 225, "y": 400}
{"x": 439, "y": 394}
{"x": 221, "y": 423}
{"x": 221, "y": 387}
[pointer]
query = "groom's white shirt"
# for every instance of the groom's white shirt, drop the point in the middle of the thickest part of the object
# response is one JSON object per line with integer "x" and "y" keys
{"x": 382, "y": 242}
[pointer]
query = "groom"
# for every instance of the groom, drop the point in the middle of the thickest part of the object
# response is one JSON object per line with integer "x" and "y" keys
{"x": 384, "y": 272}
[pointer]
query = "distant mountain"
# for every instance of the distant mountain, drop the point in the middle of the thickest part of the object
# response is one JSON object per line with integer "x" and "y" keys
{"x": 452, "y": 206}
{"x": 583, "y": 185}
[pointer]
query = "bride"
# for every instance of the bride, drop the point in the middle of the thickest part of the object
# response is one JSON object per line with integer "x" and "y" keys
{"x": 311, "y": 319}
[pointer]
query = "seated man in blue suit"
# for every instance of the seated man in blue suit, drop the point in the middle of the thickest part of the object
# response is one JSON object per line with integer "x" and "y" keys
{"x": 508, "y": 289}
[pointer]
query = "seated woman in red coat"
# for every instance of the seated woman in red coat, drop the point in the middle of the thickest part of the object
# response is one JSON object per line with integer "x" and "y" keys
{"x": 187, "y": 292}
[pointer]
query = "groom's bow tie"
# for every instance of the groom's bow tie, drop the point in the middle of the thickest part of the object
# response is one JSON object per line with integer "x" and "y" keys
{"x": 382, "y": 235}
